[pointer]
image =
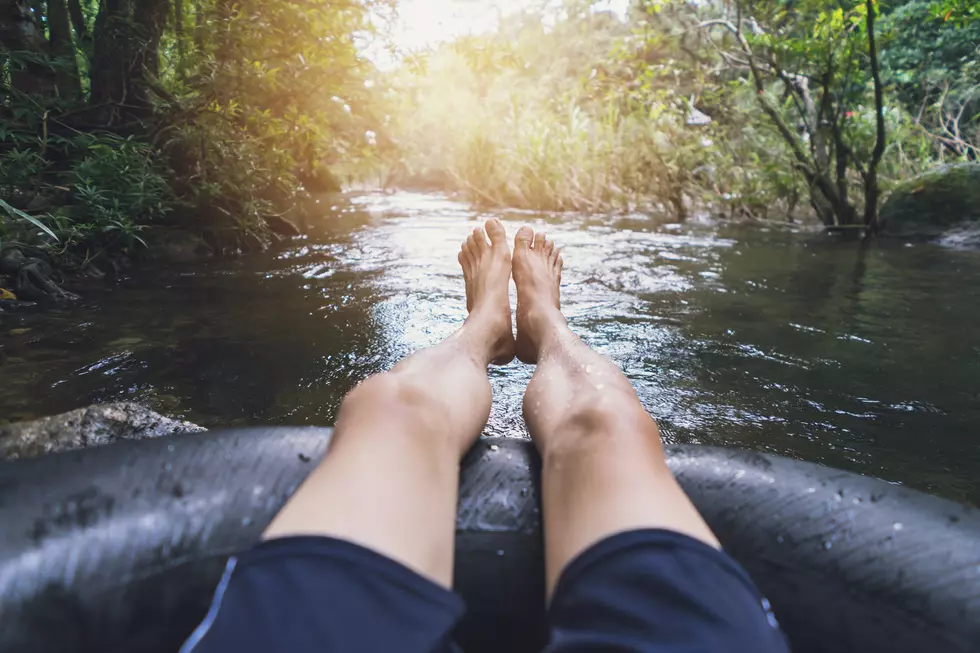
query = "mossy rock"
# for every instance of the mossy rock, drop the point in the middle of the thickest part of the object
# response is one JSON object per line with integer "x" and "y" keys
{"x": 934, "y": 202}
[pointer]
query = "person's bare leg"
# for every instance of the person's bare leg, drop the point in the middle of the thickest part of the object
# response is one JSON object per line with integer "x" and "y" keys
{"x": 390, "y": 479}
{"x": 603, "y": 470}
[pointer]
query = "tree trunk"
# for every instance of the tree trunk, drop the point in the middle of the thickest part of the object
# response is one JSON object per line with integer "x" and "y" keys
{"x": 149, "y": 18}
{"x": 179, "y": 30}
{"x": 63, "y": 50}
{"x": 823, "y": 205}
{"x": 78, "y": 21}
{"x": 19, "y": 33}
{"x": 111, "y": 57}
{"x": 199, "y": 26}
{"x": 871, "y": 178}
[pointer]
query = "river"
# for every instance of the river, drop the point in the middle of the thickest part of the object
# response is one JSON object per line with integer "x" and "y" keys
{"x": 767, "y": 339}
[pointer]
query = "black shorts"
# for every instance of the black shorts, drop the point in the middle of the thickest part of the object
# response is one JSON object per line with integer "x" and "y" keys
{"x": 640, "y": 591}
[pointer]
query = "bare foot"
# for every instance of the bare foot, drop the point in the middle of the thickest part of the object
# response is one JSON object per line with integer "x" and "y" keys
{"x": 537, "y": 273}
{"x": 486, "y": 270}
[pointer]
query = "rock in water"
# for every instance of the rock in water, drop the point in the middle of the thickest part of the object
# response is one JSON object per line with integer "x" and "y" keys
{"x": 932, "y": 203}
{"x": 281, "y": 226}
{"x": 87, "y": 427}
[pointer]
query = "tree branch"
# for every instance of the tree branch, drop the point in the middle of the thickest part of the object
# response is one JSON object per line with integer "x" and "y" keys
{"x": 871, "y": 180}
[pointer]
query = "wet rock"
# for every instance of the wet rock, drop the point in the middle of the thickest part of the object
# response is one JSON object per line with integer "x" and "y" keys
{"x": 32, "y": 276}
{"x": 281, "y": 226}
{"x": 934, "y": 202}
{"x": 40, "y": 203}
{"x": 87, "y": 427}
{"x": 320, "y": 180}
{"x": 175, "y": 245}
{"x": 14, "y": 305}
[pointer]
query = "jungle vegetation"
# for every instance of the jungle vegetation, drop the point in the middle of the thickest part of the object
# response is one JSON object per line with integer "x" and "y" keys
{"x": 122, "y": 118}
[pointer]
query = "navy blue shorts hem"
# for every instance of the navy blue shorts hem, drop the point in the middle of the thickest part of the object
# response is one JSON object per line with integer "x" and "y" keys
{"x": 294, "y": 547}
{"x": 646, "y": 539}
{"x": 641, "y": 591}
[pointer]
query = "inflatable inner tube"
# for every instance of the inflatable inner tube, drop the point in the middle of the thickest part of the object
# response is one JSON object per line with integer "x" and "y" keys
{"x": 118, "y": 549}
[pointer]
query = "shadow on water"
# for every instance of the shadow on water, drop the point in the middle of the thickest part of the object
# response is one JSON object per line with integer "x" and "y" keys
{"x": 769, "y": 340}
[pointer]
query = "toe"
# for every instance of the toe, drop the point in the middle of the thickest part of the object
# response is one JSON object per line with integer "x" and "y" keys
{"x": 539, "y": 241}
{"x": 549, "y": 246}
{"x": 479, "y": 240}
{"x": 554, "y": 254}
{"x": 523, "y": 238}
{"x": 467, "y": 254}
{"x": 495, "y": 230}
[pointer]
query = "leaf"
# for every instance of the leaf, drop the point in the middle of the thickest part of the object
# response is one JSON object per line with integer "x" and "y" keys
{"x": 6, "y": 294}
{"x": 17, "y": 213}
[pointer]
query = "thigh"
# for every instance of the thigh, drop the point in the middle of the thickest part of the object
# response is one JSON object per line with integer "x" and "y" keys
{"x": 324, "y": 595}
{"x": 658, "y": 591}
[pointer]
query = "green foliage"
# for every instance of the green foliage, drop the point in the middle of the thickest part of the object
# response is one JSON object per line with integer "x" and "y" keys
{"x": 933, "y": 61}
{"x": 509, "y": 119}
{"x": 577, "y": 109}
{"x": 17, "y": 214}
{"x": 212, "y": 116}
{"x": 217, "y": 115}
{"x": 118, "y": 185}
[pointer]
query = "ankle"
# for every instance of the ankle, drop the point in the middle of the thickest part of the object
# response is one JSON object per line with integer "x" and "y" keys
{"x": 486, "y": 339}
{"x": 545, "y": 325}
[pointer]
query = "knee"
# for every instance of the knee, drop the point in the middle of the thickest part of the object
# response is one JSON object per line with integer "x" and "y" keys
{"x": 394, "y": 397}
{"x": 606, "y": 421}
{"x": 388, "y": 391}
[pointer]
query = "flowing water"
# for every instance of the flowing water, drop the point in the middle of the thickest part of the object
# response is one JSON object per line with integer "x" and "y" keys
{"x": 764, "y": 339}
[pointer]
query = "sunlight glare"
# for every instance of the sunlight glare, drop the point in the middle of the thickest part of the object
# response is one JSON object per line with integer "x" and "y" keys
{"x": 425, "y": 23}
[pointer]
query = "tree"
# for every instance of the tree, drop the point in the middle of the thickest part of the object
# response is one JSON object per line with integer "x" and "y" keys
{"x": 27, "y": 49}
{"x": 809, "y": 65}
{"x": 932, "y": 60}
{"x": 110, "y": 56}
{"x": 63, "y": 50}
{"x": 117, "y": 117}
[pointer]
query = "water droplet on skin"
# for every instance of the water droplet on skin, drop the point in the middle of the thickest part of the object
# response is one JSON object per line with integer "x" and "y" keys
{"x": 600, "y": 386}
{"x": 588, "y": 369}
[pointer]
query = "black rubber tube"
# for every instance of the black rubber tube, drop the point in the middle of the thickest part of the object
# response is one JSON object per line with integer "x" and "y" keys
{"x": 118, "y": 549}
